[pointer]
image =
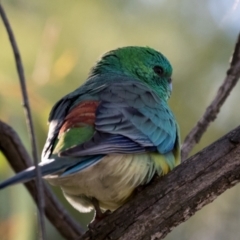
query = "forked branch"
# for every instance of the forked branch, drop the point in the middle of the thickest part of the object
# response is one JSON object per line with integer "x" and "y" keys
{"x": 213, "y": 109}
{"x": 17, "y": 156}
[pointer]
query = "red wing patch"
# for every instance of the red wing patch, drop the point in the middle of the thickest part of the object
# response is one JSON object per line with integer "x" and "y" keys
{"x": 81, "y": 115}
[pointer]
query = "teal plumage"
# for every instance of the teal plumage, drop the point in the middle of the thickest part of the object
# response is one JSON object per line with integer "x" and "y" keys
{"x": 112, "y": 134}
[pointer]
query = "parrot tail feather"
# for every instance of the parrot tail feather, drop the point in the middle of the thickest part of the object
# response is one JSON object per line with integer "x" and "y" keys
{"x": 51, "y": 166}
{"x": 21, "y": 177}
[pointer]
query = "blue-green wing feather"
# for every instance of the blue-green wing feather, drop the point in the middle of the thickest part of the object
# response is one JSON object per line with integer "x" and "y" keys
{"x": 89, "y": 91}
{"x": 145, "y": 118}
{"x": 133, "y": 118}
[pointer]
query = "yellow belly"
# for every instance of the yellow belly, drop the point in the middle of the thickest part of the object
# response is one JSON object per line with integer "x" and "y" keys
{"x": 112, "y": 180}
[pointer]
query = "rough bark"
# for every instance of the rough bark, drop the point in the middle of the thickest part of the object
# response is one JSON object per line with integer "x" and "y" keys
{"x": 172, "y": 199}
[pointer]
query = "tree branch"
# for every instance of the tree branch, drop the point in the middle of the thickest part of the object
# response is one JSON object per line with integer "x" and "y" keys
{"x": 172, "y": 199}
{"x": 213, "y": 109}
{"x": 18, "y": 158}
{"x": 20, "y": 71}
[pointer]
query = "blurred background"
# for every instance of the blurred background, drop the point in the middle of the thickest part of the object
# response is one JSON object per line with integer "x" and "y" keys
{"x": 60, "y": 40}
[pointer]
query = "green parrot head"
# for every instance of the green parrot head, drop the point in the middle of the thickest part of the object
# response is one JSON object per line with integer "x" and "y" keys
{"x": 142, "y": 63}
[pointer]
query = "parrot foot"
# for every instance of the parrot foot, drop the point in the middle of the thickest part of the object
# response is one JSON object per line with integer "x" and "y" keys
{"x": 99, "y": 215}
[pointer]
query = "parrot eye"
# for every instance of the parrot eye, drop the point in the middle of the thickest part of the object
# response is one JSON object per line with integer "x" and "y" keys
{"x": 158, "y": 70}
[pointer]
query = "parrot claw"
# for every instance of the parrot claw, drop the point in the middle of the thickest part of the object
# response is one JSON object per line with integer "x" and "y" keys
{"x": 99, "y": 215}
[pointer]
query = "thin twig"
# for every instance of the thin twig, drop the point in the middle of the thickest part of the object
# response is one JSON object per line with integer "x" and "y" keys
{"x": 40, "y": 202}
{"x": 213, "y": 109}
{"x": 19, "y": 159}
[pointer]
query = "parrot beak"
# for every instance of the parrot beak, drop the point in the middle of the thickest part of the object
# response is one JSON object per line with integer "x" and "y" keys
{"x": 170, "y": 84}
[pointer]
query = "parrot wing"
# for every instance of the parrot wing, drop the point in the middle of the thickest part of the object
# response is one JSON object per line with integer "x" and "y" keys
{"x": 129, "y": 118}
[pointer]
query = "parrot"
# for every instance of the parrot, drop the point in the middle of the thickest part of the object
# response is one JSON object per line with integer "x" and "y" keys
{"x": 113, "y": 134}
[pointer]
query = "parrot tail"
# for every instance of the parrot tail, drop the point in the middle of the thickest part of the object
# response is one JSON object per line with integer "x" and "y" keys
{"x": 21, "y": 177}
{"x": 60, "y": 166}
